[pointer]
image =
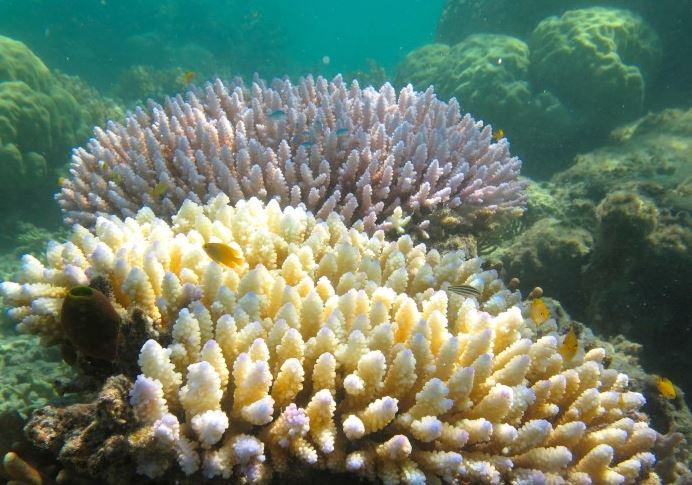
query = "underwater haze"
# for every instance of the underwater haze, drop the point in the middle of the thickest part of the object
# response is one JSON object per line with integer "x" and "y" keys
{"x": 423, "y": 241}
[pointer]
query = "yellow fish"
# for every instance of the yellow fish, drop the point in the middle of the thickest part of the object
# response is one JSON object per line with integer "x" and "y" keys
{"x": 229, "y": 255}
{"x": 499, "y": 134}
{"x": 665, "y": 387}
{"x": 570, "y": 345}
{"x": 538, "y": 311}
{"x": 188, "y": 77}
{"x": 61, "y": 181}
{"x": 158, "y": 190}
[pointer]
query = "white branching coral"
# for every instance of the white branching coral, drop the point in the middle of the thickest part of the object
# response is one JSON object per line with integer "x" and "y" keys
{"x": 333, "y": 349}
{"x": 332, "y": 147}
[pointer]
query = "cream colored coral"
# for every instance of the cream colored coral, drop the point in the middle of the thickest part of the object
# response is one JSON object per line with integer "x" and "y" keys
{"x": 333, "y": 349}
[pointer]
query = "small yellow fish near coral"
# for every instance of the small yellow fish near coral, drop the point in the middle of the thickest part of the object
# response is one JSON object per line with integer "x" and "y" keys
{"x": 666, "y": 387}
{"x": 158, "y": 190}
{"x": 187, "y": 77}
{"x": 538, "y": 311}
{"x": 570, "y": 345}
{"x": 229, "y": 255}
{"x": 499, "y": 134}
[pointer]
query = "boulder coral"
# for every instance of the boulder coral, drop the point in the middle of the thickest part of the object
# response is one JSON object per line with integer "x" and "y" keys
{"x": 489, "y": 74}
{"x": 331, "y": 349}
{"x": 596, "y": 60}
{"x": 39, "y": 120}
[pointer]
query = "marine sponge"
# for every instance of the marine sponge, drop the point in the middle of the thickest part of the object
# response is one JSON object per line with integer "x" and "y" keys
{"x": 364, "y": 153}
{"x": 90, "y": 322}
{"x": 329, "y": 348}
{"x": 596, "y": 60}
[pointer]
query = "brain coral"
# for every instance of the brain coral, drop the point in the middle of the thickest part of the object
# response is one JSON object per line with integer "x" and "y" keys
{"x": 330, "y": 146}
{"x": 329, "y": 348}
{"x": 597, "y": 60}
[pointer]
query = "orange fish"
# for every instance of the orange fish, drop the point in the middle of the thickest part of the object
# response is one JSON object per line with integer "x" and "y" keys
{"x": 666, "y": 387}
{"x": 188, "y": 77}
{"x": 230, "y": 255}
{"x": 538, "y": 311}
{"x": 570, "y": 345}
{"x": 499, "y": 134}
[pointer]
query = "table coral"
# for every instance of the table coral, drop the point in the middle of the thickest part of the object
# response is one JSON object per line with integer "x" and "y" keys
{"x": 364, "y": 153}
{"x": 329, "y": 348}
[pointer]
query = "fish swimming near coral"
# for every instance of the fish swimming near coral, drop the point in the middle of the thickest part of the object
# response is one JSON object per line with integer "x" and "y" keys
{"x": 158, "y": 190}
{"x": 538, "y": 311}
{"x": 666, "y": 387}
{"x": 570, "y": 345}
{"x": 187, "y": 77}
{"x": 465, "y": 290}
{"x": 341, "y": 132}
{"x": 228, "y": 255}
{"x": 277, "y": 115}
{"x": 499, "y": 134}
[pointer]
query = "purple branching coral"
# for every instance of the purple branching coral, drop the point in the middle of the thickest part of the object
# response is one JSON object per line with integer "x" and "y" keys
{"x": 330, "y": 146}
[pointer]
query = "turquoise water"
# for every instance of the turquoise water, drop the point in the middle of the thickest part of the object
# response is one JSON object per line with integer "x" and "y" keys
{"x": 595, "y": 98}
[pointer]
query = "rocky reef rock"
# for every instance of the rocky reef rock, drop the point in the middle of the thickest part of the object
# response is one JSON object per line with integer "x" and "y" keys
{"x": 619, "y": 224}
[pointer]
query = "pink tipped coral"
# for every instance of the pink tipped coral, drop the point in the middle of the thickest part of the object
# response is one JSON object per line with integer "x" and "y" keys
{"x": 327, "y": 145}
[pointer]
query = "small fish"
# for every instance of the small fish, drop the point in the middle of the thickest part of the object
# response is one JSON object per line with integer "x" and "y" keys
{"x": 499, "y": 134}
{"x": 159, "y": 189}
{"x": 341, "y": 132}
{"x": 538, "y": 312}
{"x": 229, "y": 255}
{"x": 464, "y": 290}
{"x": 307, "y": 144}
{"x": 188, "y": 77}
{"x": 277, "y": 115}
{"x": 61, "y": 181}
{"x": 666, "y": 387}
{"x": 570, "y": 345}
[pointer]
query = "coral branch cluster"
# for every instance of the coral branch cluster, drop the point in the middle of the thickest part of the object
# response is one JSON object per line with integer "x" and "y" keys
{"x": 329, "y": 348}
{"x": 363, "y": 153}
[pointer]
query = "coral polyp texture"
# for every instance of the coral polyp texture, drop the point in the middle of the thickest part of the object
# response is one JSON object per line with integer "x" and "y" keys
{"x": 330, "y": 146}
{"x": 328, "y": 348}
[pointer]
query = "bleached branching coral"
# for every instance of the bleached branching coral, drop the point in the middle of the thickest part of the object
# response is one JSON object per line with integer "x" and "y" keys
{"x": 330, "y": 146}
{"x": 331, "y": 349}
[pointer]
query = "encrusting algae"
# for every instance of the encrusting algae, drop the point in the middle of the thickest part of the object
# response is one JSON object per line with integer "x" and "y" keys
{"x": 332, "y": 349}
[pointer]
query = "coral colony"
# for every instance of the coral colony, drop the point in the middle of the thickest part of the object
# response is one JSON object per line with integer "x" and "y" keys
{"x": 334, "y": 349}
{"x": 282, "y": 335}
{"x": 333, "y": 147}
